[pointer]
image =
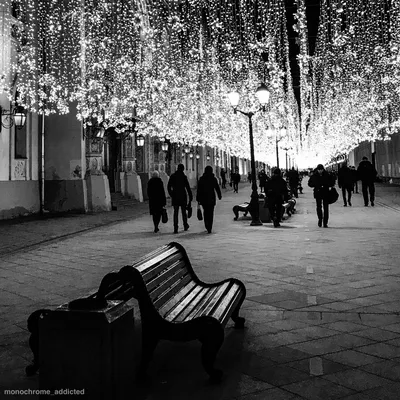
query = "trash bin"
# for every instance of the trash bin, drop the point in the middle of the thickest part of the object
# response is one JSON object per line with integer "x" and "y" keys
{"x": 88, "y": 354}
{"x": 264, "y": 212}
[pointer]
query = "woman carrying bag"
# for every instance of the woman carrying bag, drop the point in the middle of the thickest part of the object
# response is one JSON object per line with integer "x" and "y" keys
{"x": 207, "y": 192}
{"x": 157, "y": 199}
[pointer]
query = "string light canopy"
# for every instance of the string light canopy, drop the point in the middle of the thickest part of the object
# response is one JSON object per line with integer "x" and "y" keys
{"x": 172, "y": 62}
{"x": 167, "y": 66}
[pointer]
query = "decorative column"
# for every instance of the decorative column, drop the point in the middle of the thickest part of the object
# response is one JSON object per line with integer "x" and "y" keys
{"x": 132, "y": 159}
{"x": 98, "y": 188}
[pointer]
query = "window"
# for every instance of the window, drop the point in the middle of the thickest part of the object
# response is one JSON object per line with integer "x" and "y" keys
{"x": 20, "y": 142}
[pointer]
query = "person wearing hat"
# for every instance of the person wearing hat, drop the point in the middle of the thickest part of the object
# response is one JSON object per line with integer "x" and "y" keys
{"x": 277, "y": 192}
{"x": 321, "y": 180}
{"x": 367, "y": 174}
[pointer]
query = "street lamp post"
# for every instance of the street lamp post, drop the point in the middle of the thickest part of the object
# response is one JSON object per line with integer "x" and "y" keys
{"x": 263, "y": 97}
{"x": 286, "y": 150}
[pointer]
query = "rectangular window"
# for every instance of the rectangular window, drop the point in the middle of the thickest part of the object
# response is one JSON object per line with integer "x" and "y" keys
{"x": 20, "y": 142}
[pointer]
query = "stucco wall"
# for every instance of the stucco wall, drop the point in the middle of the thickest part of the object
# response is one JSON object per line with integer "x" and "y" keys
{"x": 18, "y": 198}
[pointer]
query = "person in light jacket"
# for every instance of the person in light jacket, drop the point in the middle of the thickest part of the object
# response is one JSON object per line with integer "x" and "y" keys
{"x": 157, "y": 199}
{"x": 321, "y": 180}
{"x": 207, "y": 192}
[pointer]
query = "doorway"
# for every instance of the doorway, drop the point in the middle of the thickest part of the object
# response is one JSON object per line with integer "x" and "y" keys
{"x": 113, "y": 161}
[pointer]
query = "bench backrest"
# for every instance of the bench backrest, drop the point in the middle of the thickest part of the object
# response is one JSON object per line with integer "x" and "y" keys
{"x": 164, "y": 272}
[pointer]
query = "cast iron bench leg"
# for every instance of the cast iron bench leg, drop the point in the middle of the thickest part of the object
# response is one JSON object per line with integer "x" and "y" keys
{"x": 33, "y": 328}
{"x": 149, "y": 343}
{"x": 239, "y": 321}
{"x": 236, "y": 212}
{"x": 211, "y": 338}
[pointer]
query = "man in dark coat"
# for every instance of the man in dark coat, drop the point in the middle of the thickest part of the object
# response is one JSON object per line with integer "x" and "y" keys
{"x": 223, "y": 178}
{"x": 355, "y": 178}
{"x": 262, "y": 177}
{"x": 367, "y": 174}
{"x": 346, "y": 183}
{"x": 207, "y": 190}
{"x": 293, "y": 177}
{"x": 322, "y": 181}
{"x": 235, "y": 179}
{"x": 179, "y": 190}
{"x": 157, "y": 199}
{"x": 276, "y": 191}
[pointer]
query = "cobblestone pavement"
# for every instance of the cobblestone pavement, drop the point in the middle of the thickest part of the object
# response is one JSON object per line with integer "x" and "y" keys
{"x": 322, "y": 307}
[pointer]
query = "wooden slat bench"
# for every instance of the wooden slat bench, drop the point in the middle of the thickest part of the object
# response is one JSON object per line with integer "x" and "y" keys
{"x": 244, "y": 207}
{"x": 175, "y": 304}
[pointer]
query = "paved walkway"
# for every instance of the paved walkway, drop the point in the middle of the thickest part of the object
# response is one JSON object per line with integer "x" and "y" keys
{"x": 322, "y": 307}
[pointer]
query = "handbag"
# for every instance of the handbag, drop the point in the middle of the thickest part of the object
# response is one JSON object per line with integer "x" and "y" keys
{"x": 164, "y": 216}
{"x": 189, "y": 210}
{"x": 199, "y": 213}
{"x": 333, "y": 195}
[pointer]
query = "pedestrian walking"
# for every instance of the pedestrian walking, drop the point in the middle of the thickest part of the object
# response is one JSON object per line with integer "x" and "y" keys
{"x": 321, "y": 180}
{"x": 346, "y": 183}
{"x": 277, "y": 192}
{"x": 367, "y": 174}
{"x": 293, "y": 177}
{"x": 223, "y": 178}
{"x": 355, "y": 178}
{"x": 207, "y": 192}
{"x": 179, "y": 190}
{"x": 235, "y": 179}
{"x": 249, "y": 177}
{"x": 262, "y": 177}
{"x": 157, "y": 199}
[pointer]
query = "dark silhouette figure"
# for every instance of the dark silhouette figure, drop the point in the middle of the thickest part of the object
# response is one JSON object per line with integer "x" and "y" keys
{"x": 367, "y": 174}
{"x": 235, "y": 179}
{"x": 276, "y": 191}
{"x": 262, "y": 177}
{"x": 293, "y": 177}
{"x": 321, "y": 181}
{"x": 207, "y": 192}
{"x": 179, "y": 190}
{"x": 223, "y": 178}
{"x": 346, "y": 183}
{"x": 355, "y": 179}
{"x": 157, "y": 199}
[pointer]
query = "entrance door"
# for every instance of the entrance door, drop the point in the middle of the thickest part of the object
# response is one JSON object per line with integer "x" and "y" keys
{"x": 114, "y": 162}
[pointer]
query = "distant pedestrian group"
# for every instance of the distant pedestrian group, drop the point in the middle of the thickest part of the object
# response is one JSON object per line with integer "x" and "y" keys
{"x": 181, "y": 197}
{"x": 322, "y": 181}
{"x": 275, "y": 190}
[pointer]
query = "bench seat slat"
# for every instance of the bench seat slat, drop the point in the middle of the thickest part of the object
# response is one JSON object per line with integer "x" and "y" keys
{"x": 228, "y": 304}
{"x": 151, "y": 255}
{"x": 201, "y": 304}
{"x": 206, "y": 306}
{"x": 166, "y": 275}
{"x": 166, "y": 285}
{"x": 173, "y": 290}
{"x": 174, "y": 305}
{"x": 142, "y": 267}
{"x": 158, "y": 268}
{"x": 189, "y": 306}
